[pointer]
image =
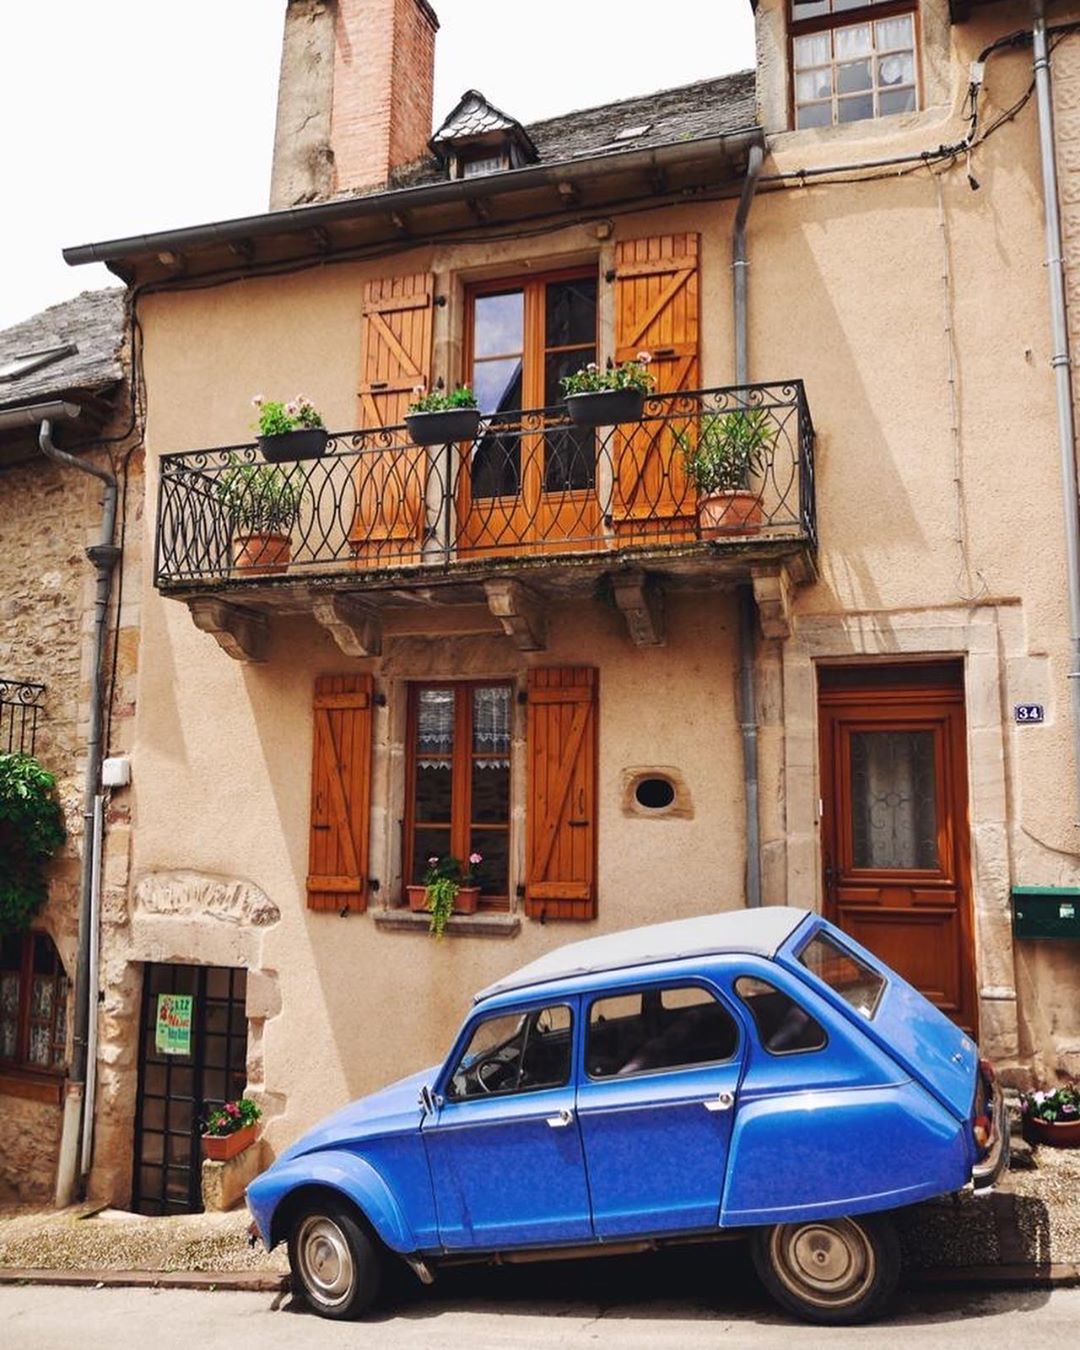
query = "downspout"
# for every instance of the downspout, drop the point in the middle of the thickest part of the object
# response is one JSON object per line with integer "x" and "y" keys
{"x": 740, "y": 268}
{"x": 1061, "y": 362}
{"x": 79, "y": 1105}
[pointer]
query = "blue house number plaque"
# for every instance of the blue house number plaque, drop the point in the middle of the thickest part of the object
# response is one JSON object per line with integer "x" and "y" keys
{"x": 1029, "y": 712}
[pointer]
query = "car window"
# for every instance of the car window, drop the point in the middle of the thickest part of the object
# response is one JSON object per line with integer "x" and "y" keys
{"x": 658, "y": 1029}
{"x": 783, "y": 1026}
{"x": 852, "y": 979}
{"x": 515, "y": 1052}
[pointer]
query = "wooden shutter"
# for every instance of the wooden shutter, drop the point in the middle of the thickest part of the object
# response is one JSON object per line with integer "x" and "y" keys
{"x": 657, "y": 309}
{"x": 562, "y": 800}
{"x": 340, "y": 793}
{"x": 396, "y": 361}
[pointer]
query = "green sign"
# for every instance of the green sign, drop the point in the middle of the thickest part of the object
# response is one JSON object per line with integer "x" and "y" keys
{"x": 173, "y": 1027}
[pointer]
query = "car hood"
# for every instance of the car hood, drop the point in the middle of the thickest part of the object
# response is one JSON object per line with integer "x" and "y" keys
{"x": 389, "y": 1111}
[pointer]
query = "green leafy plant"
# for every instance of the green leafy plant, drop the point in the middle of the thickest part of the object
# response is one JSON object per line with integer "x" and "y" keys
{"x": 278, "y": 419}
{"x": 592, "y": 379}
{"x": 442, "y": 881}
{"x": 233, "y": 1116}
{"x": 1059, "y": 1107}
{"x": 259, "y": 498}
{"x": 438, "y": 400}
{"x": 31, "y": 830}
{"x": 725, "y": 449}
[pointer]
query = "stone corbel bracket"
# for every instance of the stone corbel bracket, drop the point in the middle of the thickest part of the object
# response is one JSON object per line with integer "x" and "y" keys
{"x": 354, "y": 626}
{"x": 772, "y": 593}
{"x": 521, "y": 613}
{"x": 642, "y": 606}
{"x": 241, "y": 633}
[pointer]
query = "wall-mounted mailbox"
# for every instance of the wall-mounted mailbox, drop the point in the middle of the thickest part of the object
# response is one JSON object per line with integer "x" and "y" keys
{"x": 1046, "y": 912}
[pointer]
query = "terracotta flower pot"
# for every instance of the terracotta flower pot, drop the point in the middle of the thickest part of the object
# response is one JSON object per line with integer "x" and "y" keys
{"x": 1056, "y": 1133}
{"x": 222, "y": 1147}
{"x": 729, "y": 513}
{"x": 261, "y": 554}
{"x": 417, "y": 898}
{"x": 467, "y": 900}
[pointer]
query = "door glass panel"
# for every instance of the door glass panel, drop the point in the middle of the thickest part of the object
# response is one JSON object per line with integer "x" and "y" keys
{"x": 664, "y": 1029}
{"x": 517, "y": 1052}
{"x": 491, "y": 720}
{"x": 497, "y": 384}
{"x": 571, "y": 313}
{"x": 894, "y": 800}
{"x": 499, "y": 325}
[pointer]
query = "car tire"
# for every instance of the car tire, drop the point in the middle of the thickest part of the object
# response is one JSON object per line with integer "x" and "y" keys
{"x": 336, "y": 1265}
{"x": 831, "y": 1271}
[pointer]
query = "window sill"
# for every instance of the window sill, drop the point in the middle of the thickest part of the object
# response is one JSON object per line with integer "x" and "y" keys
{"x": 32, "y": 1086}
{"x": 489, "y": 924}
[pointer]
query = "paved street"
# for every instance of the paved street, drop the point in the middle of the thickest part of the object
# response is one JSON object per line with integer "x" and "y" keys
{"x": 659, "y": 1303}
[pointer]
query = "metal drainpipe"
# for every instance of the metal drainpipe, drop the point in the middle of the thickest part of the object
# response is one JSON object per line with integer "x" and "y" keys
{"x": 1061, "y": 362}
{"x": 104, "y": 555}
{"x": 740, "y": 267}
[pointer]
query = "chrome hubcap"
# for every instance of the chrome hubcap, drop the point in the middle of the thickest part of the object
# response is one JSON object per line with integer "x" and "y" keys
{"x": 326, "y": 1263}
{"x": 827, "y": 1264}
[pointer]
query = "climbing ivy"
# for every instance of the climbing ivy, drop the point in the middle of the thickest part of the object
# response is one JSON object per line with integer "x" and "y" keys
{"x": 31, "y": 830}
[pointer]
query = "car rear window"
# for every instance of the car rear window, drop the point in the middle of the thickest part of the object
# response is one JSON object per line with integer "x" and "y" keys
{"x": 669, "y": 1028}
{"x": 851, "y": 978}
{"x": 784, "y": 1027}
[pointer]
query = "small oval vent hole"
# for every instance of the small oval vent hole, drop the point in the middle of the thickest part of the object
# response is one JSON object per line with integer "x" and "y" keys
{"x": 654, "y": 793}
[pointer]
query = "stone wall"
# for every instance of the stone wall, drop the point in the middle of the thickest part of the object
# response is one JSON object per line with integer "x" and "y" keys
{"x": 29, "y": 1144}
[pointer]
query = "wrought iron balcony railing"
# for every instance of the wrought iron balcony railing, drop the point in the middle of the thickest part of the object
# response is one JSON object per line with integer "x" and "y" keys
{"x": 20, "y": 705}
{"x": 532, "y": 483}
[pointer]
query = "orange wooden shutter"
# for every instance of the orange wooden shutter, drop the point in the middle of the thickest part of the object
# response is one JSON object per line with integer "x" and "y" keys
{"x": 657, "y": 309}
{"x": 396, "y": 361}
{"x": 562, "y": 801}
{"x": 340, "y": 793}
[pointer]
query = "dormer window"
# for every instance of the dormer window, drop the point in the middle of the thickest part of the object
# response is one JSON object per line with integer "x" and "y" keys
{"x": 477, "y": 139}
{"x": 853, "y": 60}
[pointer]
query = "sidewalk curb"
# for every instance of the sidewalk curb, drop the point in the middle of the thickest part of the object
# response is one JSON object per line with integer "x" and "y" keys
{"x": 230, "y": 1281}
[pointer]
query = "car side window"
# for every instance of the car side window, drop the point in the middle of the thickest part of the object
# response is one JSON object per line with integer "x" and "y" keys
{"x": 783, "y": 1026}
{"x": 668, "y": 1028}
{"x": 515, "y": 1052}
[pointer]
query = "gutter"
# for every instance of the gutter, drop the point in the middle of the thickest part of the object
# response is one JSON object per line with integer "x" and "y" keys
{"x": 1061, "y": 362}
{"x": 298, "y": 219}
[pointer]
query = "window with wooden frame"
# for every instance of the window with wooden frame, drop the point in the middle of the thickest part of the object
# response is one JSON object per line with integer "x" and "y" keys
{"x": 853, "y": 60}
{"x": 458, "y": 782}
{"x": 33, "y": 1004}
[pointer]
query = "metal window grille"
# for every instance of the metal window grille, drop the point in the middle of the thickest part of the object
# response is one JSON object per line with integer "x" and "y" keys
{"x": 20, "y": 705}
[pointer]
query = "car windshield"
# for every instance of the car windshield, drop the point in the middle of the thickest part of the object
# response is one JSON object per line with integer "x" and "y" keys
{"x": 851, "y": 978}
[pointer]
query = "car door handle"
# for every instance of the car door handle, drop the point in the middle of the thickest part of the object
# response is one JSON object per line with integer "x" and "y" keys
{"x": 560, "y": 1121}
{"x": 724, "y": 1102}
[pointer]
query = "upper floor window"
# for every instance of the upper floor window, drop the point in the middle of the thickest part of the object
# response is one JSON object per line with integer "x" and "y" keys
{"x": 853, "y": 60}
{"x": 33, "y": 1003}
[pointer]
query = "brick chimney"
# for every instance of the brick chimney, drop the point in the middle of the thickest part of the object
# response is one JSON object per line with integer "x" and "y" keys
{"x": 355, "y": 96}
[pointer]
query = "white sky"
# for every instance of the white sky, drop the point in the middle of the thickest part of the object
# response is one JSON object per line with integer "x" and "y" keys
{"x": 122, "y": 116}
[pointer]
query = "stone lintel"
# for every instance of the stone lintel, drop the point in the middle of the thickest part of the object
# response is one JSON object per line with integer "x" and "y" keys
{"x": 242, "y": 633}
{"x": 520, "y": 611}
{"x": 642, "y": 606}
{"x": 772, "y": 592}
{"x": 354, "y": 626}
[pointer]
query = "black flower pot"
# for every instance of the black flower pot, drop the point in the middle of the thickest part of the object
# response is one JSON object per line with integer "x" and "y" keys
{"x": 443, "y": 428}
{"x": 607, "y": 408}
{"x": 305, "y": 443}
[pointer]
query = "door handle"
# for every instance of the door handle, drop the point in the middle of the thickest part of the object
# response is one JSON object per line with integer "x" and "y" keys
{"x": 560, "y": 1121}
{"x": 724, "y": 1102}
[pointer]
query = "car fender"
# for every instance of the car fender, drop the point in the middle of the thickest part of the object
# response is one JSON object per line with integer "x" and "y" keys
{"x": 352, "y": 1176}
{"x": 824, "y": 1153}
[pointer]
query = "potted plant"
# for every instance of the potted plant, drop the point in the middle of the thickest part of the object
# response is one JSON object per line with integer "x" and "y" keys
{"x": 1052, "y": 1117}
{"x": 262, "y": 504}
{"x": 230, "y": 1129}
{"x": 440, "y": 418}
{"x": 290, "y": 431}
{"x": 603, "y": 398}
{"x": 447, "y": 889}
{"x": 729, "y": 448}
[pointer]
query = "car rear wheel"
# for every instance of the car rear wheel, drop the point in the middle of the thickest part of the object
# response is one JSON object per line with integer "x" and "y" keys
{"x": 831, "y": 1271}
{"x": 336, "y": 1266}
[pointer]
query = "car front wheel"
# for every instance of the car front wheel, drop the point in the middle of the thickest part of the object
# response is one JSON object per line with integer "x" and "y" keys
{"x": 831, "y": 1271}
{"x": 336, "y": 1266}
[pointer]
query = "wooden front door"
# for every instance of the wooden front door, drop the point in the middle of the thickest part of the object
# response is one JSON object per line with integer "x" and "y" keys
{"x": 895, "y": 830}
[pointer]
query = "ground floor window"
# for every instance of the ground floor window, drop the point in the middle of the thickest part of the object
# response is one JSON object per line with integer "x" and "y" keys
{"x": 458, "y": 782}
{"x": 33, "y": 1003}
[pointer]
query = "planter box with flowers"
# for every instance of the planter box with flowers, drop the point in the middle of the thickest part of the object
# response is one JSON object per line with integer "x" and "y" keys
{"x": 290, "y": 431}
{"x": 230, "y": 1129}
{"x": 439, "y": 418}
{"x": 604, "y": 398}
{"x": 1052, "y": 1117}
{"x": 447, "y": 889}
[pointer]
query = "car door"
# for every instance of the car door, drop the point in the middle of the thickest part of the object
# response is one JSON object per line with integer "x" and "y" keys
{"x": 503, "y": 1144}
{"x": 655, "y": 1101}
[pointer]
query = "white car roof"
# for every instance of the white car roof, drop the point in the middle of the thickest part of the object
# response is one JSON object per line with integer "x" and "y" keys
{"x": 760, "y": 932}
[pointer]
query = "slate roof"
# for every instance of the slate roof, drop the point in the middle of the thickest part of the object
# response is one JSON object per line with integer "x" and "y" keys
{"x": 473, "y": 116}
{"x": 92, "y": 323}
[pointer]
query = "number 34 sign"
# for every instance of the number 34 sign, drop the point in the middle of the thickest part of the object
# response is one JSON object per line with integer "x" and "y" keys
{"x": 1029, "y": 712}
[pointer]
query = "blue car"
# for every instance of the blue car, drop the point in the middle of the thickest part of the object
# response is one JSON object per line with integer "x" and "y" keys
{"x": 750, "y": 1074}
